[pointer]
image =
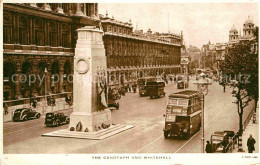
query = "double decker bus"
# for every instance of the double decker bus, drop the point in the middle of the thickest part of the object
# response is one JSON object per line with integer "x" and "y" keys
{"x": 155, "y": 89}
{"x": 183, "y": 114}
{"x": 142, "y": 84}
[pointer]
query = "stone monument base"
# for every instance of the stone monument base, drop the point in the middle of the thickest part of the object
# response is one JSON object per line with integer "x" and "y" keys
{"x": 90, "y": 122}
{"x": 97, "y": 135}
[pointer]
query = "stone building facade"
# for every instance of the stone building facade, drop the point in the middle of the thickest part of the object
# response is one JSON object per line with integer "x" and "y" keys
{"x": 39, "y": 39}
{"x": 135, "y": 54}
{"x": 38, "y": 36}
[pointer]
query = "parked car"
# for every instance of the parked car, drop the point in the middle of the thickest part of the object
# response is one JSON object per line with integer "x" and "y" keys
{"x": 220, "y": 140}
{"x": 56, "y": 119}
{"x": 24, "y": 114}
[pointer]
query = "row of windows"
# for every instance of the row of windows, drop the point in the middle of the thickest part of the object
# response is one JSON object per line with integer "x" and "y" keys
{"x": 35, "y": 32}
{"x": 113, "y": 61}
{"x": 134, "y": 49}
{"x": 117, "y": 30}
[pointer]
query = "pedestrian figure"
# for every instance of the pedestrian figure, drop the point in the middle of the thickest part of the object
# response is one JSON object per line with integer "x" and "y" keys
{"x": 6, "y": 108}
{"x": 224, "y": 88}
{"x": 34, "y": 103}
{"x": 208, "y": 147}
{"x": 49, "y": 100}
{"x": 251, "y": 144}
{"x": 231, "y": 144}
{"x": 134, "y": 87}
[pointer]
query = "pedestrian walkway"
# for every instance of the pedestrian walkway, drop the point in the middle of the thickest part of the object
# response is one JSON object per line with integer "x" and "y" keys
{"x": 251, "y": 128}
{"x": 41, "y": 108}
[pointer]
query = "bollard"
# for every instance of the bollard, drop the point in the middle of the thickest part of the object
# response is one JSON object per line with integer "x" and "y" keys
{"x": 240, "y": 147}
{"x": 254, "y": 117}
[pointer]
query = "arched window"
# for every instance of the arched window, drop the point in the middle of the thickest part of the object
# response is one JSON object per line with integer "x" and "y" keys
{"x": 7, "y": 27}
{"x": 55, "y": 77}
{"x": 67, "y": 86}
{"x": 39, "y": 32}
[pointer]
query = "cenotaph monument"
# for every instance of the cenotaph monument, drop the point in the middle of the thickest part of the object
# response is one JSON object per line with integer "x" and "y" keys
{"x": 90, "y": 119}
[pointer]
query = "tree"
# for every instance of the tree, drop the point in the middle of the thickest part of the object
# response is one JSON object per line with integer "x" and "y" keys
{"x": 253, "y": 89}
{"x": 236, "y": 70}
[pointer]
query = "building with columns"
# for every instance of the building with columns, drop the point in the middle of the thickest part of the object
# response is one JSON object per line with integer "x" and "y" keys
{"x": 38, "y": 36}
{"x": 135, "y": 54}
{"x": 39, "y": 39}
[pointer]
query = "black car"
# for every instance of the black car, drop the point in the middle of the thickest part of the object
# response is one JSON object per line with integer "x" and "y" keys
{"x": 220, "y": 140}
{"x": 24, "y": 114}
{"x": 56, "y": 119}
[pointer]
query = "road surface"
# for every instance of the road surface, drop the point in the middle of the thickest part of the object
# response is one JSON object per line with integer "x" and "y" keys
{"x": 146, "y": 137}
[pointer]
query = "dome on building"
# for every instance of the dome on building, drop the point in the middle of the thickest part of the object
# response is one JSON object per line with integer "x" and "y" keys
{"x": 249, "y": 21}
{"x": 233, "y": 29}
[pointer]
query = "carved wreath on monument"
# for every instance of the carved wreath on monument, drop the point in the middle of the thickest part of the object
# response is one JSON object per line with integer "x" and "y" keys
{"x": 82, "y": 65}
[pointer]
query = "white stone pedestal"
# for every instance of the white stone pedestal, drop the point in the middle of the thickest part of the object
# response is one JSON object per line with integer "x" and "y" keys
{"x": 90, "y": 118}
{"x": 91, "y": 121}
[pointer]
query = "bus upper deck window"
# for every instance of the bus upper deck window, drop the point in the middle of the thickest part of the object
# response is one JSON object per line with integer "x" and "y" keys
{"x": 173, "y": 101}
{"x": 183, "y": 102}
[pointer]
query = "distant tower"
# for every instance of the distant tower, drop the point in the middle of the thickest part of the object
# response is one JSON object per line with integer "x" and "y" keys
{"x": 248, "y": 28}
{"x": 233, "y": 34}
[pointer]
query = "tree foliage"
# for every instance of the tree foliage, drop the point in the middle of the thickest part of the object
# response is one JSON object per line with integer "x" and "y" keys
{"x": 240, "y": 70}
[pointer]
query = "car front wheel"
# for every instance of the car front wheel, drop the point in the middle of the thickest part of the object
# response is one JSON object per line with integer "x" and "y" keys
{"x": 25, "y": 118}
{"x": 38, "y": 116}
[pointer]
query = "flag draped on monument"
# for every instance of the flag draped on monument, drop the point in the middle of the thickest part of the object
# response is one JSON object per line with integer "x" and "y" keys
{"x": 102, "y": 88}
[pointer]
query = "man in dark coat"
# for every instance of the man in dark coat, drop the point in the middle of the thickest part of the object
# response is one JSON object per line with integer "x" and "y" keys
{"x": 208, "y": 147}
{"x": 251, "y": 144}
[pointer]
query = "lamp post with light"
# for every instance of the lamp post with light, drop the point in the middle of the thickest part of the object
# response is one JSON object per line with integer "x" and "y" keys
{"x": 202, "y": 87}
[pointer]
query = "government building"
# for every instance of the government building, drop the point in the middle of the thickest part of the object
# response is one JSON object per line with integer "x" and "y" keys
{"x": 39, "y": 39}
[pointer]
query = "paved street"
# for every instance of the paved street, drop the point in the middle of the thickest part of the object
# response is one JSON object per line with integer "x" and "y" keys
{"x": 146, "y": 137}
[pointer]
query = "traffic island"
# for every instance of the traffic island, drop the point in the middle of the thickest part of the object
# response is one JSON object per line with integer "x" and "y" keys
{"x": 90, "y": 118}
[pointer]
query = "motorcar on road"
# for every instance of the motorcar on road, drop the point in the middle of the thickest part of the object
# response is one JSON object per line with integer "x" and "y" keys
{"x": 24, "y": 114}
{"x": 220, "y": 141}
{"x": 56, "y": 119}
{"x": 182, "y": 82}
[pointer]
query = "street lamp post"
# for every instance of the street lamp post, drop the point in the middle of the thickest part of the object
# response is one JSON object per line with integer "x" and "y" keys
{"x": 202, "y": 87}
{"x": 45, "y": 85}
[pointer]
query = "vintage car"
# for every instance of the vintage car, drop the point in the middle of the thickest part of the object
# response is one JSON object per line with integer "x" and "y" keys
{"x": 24, "y": 114}
{"x": 220, "y": 141}
{"x": 142, "y": 91}
{"x": 56, "y": 119}
{"x": 182, "y": 82}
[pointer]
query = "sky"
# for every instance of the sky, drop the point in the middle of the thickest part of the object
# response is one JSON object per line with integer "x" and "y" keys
{"x": 200, "y": 22}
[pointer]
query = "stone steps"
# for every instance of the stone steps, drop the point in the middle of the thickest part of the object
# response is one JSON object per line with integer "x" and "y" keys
{"x": 98, "y": 135}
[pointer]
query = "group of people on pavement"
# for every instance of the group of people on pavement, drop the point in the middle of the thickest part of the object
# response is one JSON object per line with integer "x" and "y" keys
{"x": 51, "y": 101}
{"x": 250, "y": 145}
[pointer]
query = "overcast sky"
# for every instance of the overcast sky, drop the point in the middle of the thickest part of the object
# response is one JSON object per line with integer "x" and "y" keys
{"x": 199, "y": 22}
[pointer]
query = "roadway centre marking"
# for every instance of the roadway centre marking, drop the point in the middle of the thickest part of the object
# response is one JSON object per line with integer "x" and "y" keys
{"x": 149, "y": 144}
{"x": 187, "y": 142}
